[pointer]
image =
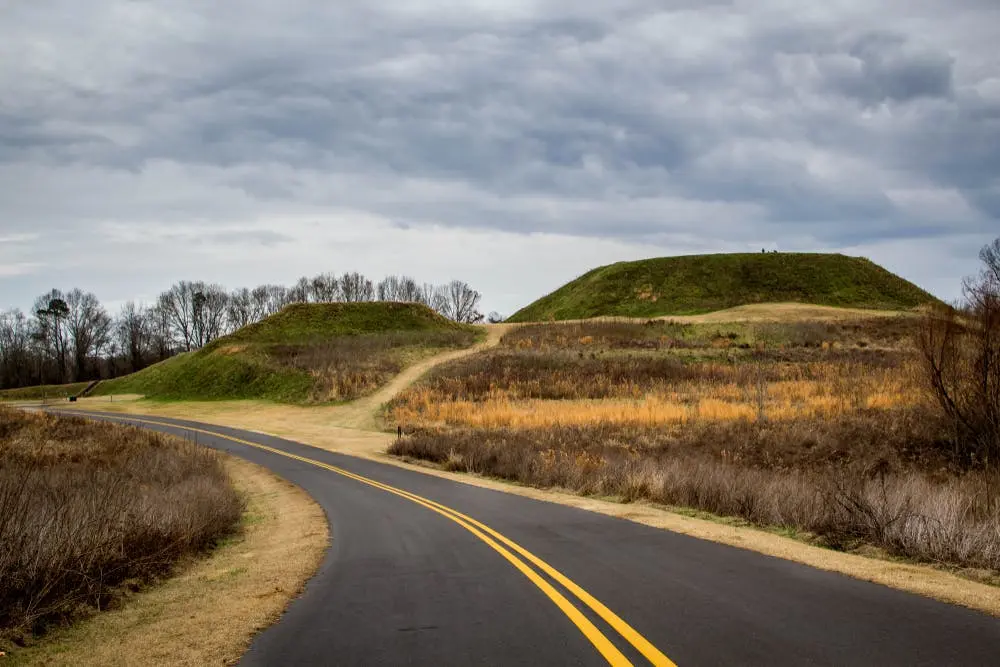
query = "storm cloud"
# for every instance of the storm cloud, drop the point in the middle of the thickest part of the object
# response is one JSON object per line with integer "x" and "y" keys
{"x": 265, "y": 140}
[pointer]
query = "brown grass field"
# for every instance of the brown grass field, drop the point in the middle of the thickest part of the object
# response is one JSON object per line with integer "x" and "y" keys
{"x": 820, "y": 427}
{"x": 90, "y": 512}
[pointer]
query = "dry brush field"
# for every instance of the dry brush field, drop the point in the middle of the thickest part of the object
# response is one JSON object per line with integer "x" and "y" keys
{"x": 89, "y": 512}
{"x": 823, "y": 428}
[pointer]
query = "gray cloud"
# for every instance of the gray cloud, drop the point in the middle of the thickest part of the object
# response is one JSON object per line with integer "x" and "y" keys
{"x": 639, "y": 121}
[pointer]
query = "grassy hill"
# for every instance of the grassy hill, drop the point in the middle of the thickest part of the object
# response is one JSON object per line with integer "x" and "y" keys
{"x": 697, "y": 284}
{"x": 307, "y": 353}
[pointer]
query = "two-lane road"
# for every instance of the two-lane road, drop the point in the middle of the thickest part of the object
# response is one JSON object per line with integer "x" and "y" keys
{"x": 423, "y": 570}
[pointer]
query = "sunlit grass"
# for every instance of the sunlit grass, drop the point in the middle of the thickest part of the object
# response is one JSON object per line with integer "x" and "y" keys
{"x": 836, "y": 391}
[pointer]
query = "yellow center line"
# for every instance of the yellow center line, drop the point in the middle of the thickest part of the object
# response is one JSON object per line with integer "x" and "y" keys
{"x": 486, "y": 534}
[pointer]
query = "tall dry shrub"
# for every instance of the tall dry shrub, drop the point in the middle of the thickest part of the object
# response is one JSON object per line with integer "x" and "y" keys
{"x": 960, "y": 353}
{"x": 88, "y": 510}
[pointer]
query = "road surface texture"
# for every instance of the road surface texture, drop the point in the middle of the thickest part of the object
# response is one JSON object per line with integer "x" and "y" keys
{"x": 515, "y": 581}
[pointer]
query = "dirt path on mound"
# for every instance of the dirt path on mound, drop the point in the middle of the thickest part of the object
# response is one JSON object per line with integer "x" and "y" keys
{"x": 363, "y": 413}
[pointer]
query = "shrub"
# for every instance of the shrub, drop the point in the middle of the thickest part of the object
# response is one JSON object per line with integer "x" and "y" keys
{"x": 88, "y": 510}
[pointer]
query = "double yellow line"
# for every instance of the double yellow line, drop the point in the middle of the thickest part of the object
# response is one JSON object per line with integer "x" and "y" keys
{"x": 510, "y": 550}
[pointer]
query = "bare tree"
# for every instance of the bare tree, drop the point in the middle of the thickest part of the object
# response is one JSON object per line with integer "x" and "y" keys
{"x": 134, "y": 333}
{"x": 398, "y": 288}
{"x": 961, "y": 360}
{"x": 355, "y": 288}
{"x": 494, "y": 317}
{"x": 15, "y": 349}
{"x": 301, "y": 291}
{"x": 177, "y": 306}
{"x": 432, "y": 296}
{"x": 409, "y": 290}
{"x": 161, "y": 338}
{"x": 388, "y": 289}
{"x": 260, "y": 303}
{"x": 51, "y": 312}
{"x": 325, "y": 288}
{"x": 461, "y": 302}
{"x": 89, "y": 328}
{"x": 210, "y": 303}
{"x": 278, "y": 296}
{"x": 240, "y": 309}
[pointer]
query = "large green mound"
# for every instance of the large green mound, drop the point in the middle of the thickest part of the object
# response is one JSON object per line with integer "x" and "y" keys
{"x": 697, "y": 284}
{"x": 307, "y": 353}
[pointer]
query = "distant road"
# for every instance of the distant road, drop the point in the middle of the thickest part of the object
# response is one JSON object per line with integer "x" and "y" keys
{"x": 427, "y": 571}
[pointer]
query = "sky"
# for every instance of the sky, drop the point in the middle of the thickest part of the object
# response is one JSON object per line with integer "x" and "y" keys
{"x": 512, "y": 144}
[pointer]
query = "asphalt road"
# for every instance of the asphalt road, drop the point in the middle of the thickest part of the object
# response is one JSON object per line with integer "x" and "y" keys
{"x": 407, "y": 582}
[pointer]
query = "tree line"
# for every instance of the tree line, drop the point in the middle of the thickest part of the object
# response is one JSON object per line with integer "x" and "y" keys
{"x": 70, "y": 336}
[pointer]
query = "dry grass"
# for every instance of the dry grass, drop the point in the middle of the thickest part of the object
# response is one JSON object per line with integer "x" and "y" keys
{"x": 526, "y": 389}
{"x": 682, "y": 333}
{"x": 821, "y": 427}
{"x": 89, "y": 511}
{"x": 209, "y": 612}
{"x": 862, "y": 500}
{"x": 323, "y": 427}
{"x": 789, "y": 312}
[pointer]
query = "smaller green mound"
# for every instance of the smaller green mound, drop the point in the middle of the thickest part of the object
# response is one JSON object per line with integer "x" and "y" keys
{"x": 42, "y": 392}
{"x": 697, "y": 284}
{"x": 307, "y": 353}
{"x": 308, "y": 322}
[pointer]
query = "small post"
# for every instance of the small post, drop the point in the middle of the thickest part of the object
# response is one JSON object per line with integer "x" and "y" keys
{"x": 399, "y": 432}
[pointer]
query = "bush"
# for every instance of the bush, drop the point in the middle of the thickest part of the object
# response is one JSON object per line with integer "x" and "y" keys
{"x": 960, "y": 352}
{"x": 90, "y": 510}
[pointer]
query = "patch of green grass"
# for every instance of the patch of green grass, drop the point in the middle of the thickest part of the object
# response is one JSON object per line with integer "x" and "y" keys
{"x": 43, "y": 391}
{"x": 705, "y": 283}
{"x": 211, "y": 374}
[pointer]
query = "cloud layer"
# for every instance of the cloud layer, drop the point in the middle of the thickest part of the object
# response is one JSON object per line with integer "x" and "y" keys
{"x": 275, "y": 139}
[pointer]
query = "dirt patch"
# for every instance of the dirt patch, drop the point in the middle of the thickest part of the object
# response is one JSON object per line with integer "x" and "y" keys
{"x": 211, "y": 610}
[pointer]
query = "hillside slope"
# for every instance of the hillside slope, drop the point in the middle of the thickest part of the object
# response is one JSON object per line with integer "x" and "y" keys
{"x": 307, "y": 353}
{"x": 696, "y": 284}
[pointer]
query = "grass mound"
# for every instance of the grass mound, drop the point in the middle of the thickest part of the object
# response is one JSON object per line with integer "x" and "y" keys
{"x": 89, "y": 511}
{"x": 705, "y": 283}
{"x": 310, "y": 322}
{"x": 307, "y": 353}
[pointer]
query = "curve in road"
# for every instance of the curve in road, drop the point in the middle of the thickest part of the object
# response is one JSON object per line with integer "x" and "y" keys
{"x": 412, "y": 578}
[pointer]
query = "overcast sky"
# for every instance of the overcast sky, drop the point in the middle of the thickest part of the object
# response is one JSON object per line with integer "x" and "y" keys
{"x": 511, "y": 143}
